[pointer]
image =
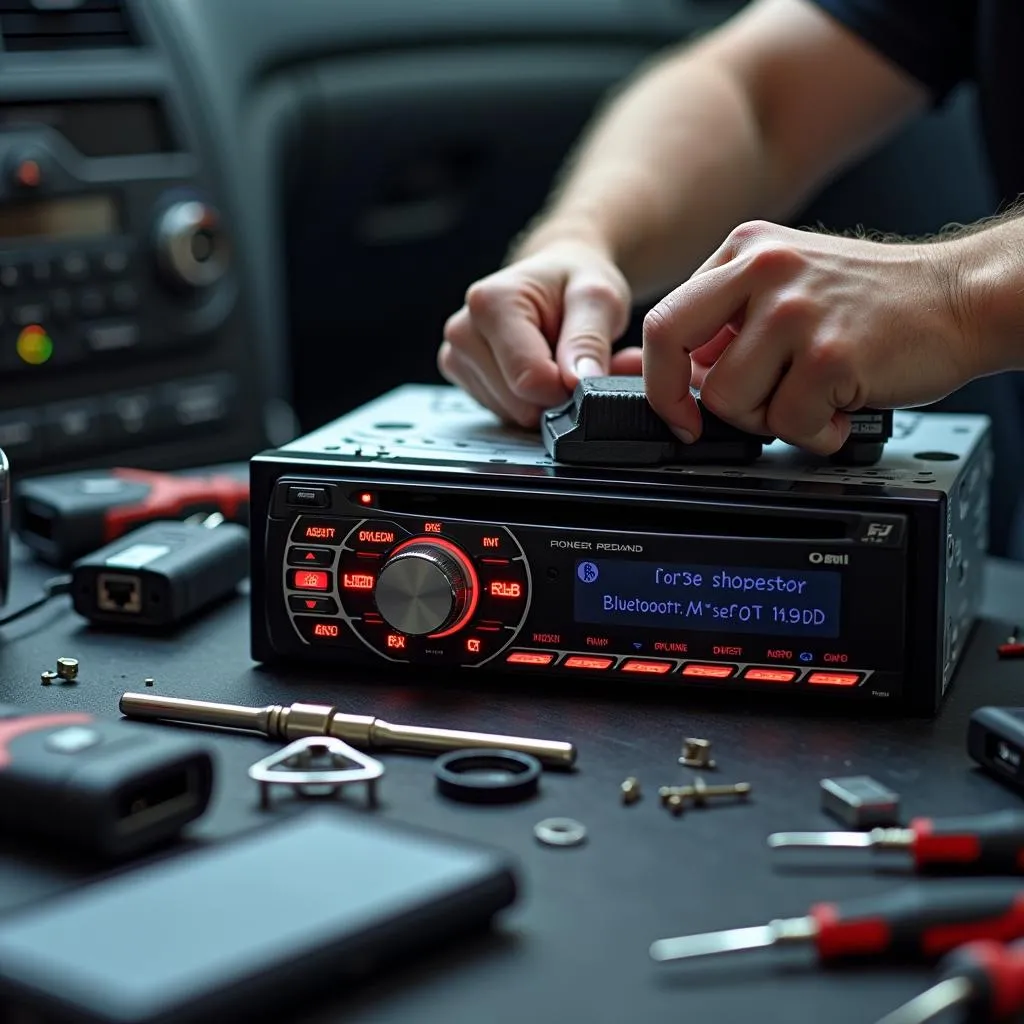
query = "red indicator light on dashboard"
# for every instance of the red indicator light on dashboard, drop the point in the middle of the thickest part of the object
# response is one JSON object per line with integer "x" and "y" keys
{"x": 433, "y": 527}
{"x": 492, "y": 542}
{"x": 357, "y": 581}
{"x": 395, "y": 642}
{"x": 834, "y": 678}
{"x": 307, "y": 579}
{"x": 505, "y": 588}
{"x": 578, "y": 661}
{"x": 654, "y": 668}
{"x": 770, "y": 675}
{"x": 473, "y": 645}
{"x": 366, "y": 498}
{"x": 326, "y": 629}
{"x": 529, "y": 658}
{"x": 708, "y": 671}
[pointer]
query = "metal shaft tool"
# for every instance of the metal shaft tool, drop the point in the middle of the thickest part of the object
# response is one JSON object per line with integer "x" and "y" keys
{"x": 295, "y": 721}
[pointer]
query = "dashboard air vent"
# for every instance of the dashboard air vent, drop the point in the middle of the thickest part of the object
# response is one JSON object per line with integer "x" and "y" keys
{"x": 34, "y": 25}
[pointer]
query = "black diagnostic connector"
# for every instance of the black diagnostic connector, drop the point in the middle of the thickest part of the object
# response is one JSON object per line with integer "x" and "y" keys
{"x": 109, "y": 789}
{"x": 160, "y": 574}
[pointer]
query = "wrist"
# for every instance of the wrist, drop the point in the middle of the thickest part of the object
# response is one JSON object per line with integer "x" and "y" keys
{"x": 987, "y": 271}
{"x": 560, "y": 229}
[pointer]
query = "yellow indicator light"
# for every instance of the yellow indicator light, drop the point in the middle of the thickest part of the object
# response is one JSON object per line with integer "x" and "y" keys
{"x": 34, "y": 345}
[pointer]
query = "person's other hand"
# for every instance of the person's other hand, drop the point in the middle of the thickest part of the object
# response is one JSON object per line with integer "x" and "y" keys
{"x": 528, "y": 333}
{"x": 786, "y": 331}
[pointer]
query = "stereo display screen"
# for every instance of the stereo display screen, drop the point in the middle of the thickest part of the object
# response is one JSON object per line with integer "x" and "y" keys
{"x": 60, "y": 218}
{"x": 737, "y": 599}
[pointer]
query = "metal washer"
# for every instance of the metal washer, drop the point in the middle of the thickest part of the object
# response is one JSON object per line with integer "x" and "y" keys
{"x": 560, "y": 832}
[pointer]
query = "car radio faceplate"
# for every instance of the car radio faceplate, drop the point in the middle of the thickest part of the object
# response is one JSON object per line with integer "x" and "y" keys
{"x": 417, "y": 531}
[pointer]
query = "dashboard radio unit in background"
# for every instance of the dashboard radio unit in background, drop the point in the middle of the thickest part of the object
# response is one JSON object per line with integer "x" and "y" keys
{"x": 125, "y": 326}
{"x": 417, "y": 532}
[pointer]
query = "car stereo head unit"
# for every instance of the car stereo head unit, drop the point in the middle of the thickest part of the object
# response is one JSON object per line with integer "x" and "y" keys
{"x": 416, "y": 531}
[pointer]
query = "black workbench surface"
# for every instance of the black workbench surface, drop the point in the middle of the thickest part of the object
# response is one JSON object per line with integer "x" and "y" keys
{"x": 575, "y": 946}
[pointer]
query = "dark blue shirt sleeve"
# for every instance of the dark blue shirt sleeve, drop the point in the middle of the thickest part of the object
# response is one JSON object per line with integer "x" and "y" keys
{"x": 932, "y": 40}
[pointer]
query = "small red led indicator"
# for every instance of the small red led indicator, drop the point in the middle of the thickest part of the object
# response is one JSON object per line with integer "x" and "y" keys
{"x": 529, "y": 658}
{"x": 366, "y": 498}
{"x": 433, "y": 527}
{"x": 311, "y": 602}
{"x": 306, "y": 579}
{"x": 325, "y": 629}
{"x": 708, "y": 671}
{"x": 473, "y": 645}
{"x": 320, "y": 533}
{"x": 357, "y": 581}
{"x": 505, "y": 588}
{"x": 396, "y": 642}
{"x": 310, "y": 556}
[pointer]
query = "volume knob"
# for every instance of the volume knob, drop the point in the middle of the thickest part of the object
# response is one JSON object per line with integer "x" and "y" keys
{"x": 191, "y": 245}
{"x": 424, "y": 589}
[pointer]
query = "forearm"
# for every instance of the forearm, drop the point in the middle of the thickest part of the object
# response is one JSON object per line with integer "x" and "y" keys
{"x": 985, "y": 271}
{"x": 675, "y": 162}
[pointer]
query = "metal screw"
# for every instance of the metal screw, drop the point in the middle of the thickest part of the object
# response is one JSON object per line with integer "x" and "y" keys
{"x": 47, "y": 677}
{"x": 630, "y": 790}
{"x": 675, "y": 797}
{"x": 148, "y": 681}
{"x": 67, "y": 668}
{"x": 696, "y": 753}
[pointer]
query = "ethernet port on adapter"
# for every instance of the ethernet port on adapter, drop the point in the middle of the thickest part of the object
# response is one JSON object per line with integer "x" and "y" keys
{"x": 119, "y": 592}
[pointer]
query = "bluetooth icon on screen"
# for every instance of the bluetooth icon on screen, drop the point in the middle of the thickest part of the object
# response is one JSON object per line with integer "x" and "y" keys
{"x": 587, "y": 572}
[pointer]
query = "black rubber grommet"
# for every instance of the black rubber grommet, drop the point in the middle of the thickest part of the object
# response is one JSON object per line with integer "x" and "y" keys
{"x": 487, "y": 776}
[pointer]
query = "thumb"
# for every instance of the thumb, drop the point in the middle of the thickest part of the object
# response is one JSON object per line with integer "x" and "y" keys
{"x": 595, "y": 314}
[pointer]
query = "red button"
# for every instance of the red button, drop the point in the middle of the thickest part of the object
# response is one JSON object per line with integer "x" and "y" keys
{"x": 309, "y": 579}
{"x": 834, "y": 678}
{"x": 770, "y": 675}
{"x": 709, "y": 671}
{"x": 652, "y": 668}
{"x": 579, "y": 661}
{"x": 530, "y": 658}
{"x": 310, "y": 556}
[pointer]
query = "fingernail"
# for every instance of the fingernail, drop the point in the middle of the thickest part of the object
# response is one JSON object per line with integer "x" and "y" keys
{"x": 587, "y": 367}
{"x": 684, "y": 435}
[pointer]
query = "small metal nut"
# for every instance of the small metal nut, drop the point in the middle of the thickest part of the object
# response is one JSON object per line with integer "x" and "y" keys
{"x": 630, "y": 790}
{"x": 696, "y": 753}
{"x": 676, "y": 803}
{"x": 148, "y": 681}
{"x": 67, "y": 668}
{"x": 46, "y": 678}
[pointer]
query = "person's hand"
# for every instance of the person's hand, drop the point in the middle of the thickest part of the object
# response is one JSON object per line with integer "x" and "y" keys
{"x": 528, "y": 333}
{"x": 787, "y": 331}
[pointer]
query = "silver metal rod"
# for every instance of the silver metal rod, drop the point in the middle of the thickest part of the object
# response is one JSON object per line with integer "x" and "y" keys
{"x": 298, "y": 720}
{"x": 938, "y": 999}
{"x": 796, "y": 929}
{"x": 883, "y": 838}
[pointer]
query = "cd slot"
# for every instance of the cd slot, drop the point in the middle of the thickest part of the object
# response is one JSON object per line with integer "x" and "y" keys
{"x": 574, "y": 511}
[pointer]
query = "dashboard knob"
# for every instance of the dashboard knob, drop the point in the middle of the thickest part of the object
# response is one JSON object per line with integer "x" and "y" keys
{"x": 423, "y": 589}
{"x": 191, "y": 245}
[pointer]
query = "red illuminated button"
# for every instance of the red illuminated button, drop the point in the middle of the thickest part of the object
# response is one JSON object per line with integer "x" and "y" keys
{"x": 318, "y": 531}
{"x": 503, "y": 590}
{"x": 700, "y": 671}
{"x": 651, "y": 668}
{"x": 326, "y": 632}
{"x": 834, "y": 678}
{"x": 376, "y": 535}
{"x": 530, "y": 658}
{"x": 311, "y": 556}
{"x": 585, "y": 662}
{"x": 312, "y": 605}
{"x": 357, "y": 580}
{"x": 309, "y": 579}
{"x": 506, "y": 590}
{"x": 770, "y": 675}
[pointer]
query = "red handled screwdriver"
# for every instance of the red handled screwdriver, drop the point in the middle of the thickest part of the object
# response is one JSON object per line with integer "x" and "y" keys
{"x": 985, "y": 979}
{"x": 983, "y": 844}
{"x": 907, "y": 925}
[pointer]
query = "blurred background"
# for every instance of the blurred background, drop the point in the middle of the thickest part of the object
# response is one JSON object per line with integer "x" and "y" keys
{"x": 223, "y": 222}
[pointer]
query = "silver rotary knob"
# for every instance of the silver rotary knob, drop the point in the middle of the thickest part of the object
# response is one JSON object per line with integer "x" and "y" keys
{"x": 191, "y": 245}
{"x": 423, "y": 589}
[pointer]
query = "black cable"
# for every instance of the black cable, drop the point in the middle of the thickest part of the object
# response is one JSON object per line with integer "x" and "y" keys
{"x": 51, "y": 588}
